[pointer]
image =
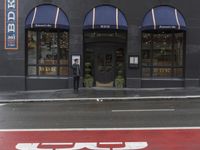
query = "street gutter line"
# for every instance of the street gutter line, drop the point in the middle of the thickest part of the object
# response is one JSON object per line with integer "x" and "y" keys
{"x": 143, "y": 110}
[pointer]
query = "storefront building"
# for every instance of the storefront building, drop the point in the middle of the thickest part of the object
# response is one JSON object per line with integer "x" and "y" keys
{"x": 143, "y": 44}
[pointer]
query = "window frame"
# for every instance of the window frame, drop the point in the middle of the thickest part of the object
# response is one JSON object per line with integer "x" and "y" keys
{"x": 38, "y": 50}
{"x": 173, "y": 65}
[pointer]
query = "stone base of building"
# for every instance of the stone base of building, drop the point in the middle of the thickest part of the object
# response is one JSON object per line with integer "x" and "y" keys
{"x": 50, "y": 83}
{"x": 12, "y": 83}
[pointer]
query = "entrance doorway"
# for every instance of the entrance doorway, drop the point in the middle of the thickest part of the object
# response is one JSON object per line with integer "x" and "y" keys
{"x": 105, "y": 57}
{"x": 104, "y": 67}
{"x": 107, "y": 62}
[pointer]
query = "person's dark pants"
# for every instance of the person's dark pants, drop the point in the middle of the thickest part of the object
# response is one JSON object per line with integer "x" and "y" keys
{"x": 76, "y": 82}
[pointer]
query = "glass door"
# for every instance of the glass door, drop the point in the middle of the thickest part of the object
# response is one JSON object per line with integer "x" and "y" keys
{"x": 104, "y": 68}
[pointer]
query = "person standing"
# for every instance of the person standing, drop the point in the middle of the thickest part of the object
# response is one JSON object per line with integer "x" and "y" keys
{"x": 76, "y": 74}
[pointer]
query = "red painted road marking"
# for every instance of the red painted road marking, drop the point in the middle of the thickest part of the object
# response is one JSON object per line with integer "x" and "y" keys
{"x": 148, "y": 139}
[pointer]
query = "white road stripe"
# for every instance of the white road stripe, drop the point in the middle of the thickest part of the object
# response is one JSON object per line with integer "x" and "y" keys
{"x": 101, "y": 129}
{"x": 143, "y": 110}
{"x": 2, "y": 104}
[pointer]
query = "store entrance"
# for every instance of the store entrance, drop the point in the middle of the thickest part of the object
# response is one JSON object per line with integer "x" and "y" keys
{"x": 104, "y": 67}
{"x": 104, "y": 58}
{"x": 106, "y": 61}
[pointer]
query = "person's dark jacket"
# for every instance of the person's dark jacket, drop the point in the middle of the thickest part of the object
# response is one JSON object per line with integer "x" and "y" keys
{"x": 76, "y": 69}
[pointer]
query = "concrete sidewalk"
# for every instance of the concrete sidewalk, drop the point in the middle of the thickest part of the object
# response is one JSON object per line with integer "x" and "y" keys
{"x": 100, "y": 93}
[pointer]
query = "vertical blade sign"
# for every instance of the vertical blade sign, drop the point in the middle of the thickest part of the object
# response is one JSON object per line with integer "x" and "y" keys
{"x": 11, "y": 24}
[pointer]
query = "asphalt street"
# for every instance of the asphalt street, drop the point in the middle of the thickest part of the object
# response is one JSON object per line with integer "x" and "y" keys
{"x": 100, "y": 114}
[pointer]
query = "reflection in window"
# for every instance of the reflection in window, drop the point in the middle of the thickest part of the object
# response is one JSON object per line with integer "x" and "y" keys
{"x": 178, "y": 72}
{"x": 162, "y": 54}
{"x": 89, "y": 59}
{"x": 47, "y": 53}
{"x": 32, "y": 70}
{"x": 64, "y": 71}
{"x": 146, "y": 72}
{"x": 178, "y": 47}
{"x": 47, "y": 71}
{"x": 162, "y": 49}
{"x": 32, "y": 47}
{"x": 63, "y": 47}
{"x": 120, "y": 71}
{"x": 162, "y": 72}
{"x": 48, "y": 48}
{"x": 146, "y": 49}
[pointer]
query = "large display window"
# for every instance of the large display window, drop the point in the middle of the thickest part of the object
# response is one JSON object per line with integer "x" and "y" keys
{"x": 163, "y": 43}
{"x": 47, "y": 53}
{"x": 163, "y": 54}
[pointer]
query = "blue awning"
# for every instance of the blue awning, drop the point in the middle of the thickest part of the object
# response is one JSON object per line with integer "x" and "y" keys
{"x": 105, "y": 17}
{"x": 47, "y": 16}
{"x": 164, "y": 17}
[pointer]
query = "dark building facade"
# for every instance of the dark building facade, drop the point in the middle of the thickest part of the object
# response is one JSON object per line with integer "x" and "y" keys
{"x": 119, "y": 43}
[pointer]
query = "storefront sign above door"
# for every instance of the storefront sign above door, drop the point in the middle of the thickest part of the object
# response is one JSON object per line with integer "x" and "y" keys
{"x": 11, "y": 24}
{"x": 105, "y": 26}
{"x": 167, "y": 27}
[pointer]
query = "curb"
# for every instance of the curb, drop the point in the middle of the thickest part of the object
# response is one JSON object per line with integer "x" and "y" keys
{"x": 101, "y": 99}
